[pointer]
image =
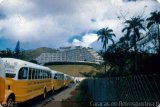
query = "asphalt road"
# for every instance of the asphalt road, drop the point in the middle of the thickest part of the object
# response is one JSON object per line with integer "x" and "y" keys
{"x": 52, "y": 100}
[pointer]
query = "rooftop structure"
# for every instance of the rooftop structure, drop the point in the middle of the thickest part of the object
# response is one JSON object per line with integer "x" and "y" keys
{"x": 71, "y": 54}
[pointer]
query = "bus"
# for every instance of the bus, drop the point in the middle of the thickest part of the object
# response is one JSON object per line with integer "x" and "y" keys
{"x": 2, "y": 82}
{"x": 57, "y": 80}
{"x": 67, "y": 80}
{"x": 25, "y": 80}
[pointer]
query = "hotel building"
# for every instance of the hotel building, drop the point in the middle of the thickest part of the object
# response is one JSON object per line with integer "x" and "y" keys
{"x": 71, "y": 54}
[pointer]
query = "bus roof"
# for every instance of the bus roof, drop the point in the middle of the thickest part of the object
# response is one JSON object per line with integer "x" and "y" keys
{"x": 16, "y": 64}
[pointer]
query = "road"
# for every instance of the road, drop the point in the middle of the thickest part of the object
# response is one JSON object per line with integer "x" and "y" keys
{"x": 56, "y": 102}
{"x": 51, "y": 100}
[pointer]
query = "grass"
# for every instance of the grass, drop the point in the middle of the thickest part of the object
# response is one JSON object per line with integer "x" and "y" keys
{"x": 72, "y": 70}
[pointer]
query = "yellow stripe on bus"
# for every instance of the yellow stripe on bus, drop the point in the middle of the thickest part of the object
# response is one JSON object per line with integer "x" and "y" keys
{"x": 2, "y": 89}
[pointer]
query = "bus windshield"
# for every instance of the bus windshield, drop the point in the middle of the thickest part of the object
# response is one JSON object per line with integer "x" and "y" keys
{"x": 10, "y": 75}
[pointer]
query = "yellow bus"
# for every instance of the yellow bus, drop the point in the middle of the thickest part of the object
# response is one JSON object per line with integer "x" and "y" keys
{"x": 57, "y": 80}
{"x": 67, "y": 80}
{"x": 2, "y": 82}
{"x": 25, "y": 80}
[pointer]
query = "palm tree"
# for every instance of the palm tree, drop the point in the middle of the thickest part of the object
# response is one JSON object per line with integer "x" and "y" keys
{"x": 105, "y": 34}
{"x": 132, "y": 28}
{"x": 154, "y": 19}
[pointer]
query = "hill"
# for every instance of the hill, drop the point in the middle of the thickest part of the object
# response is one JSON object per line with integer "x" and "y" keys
{"x": 32, "y": 54}
{"x": 72, "y": 69}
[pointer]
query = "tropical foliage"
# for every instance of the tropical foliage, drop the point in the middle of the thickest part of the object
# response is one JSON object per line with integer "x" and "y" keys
{"x": 154, "y": 19}
{"x": 105, "y": 34}
{"x": 133, "y": 27}
{"x": 138, "y": 51}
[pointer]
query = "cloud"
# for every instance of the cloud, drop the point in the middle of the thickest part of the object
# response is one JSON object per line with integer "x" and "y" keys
{"x": 86, "y": 41}
{"x": 53, "y": 23}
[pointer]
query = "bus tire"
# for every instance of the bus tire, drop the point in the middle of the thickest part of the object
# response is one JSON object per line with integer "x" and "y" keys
{"x": 11, "y": 101}
{"x": 44, "y": 93}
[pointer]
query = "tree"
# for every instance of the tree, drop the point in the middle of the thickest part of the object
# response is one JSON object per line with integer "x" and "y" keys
{"x": 154, "y": 19}
{"x": 9, "y": 52}
{"x": 17, "y": 49}
{"x": 6, "y": 53}
{"x": 105, "y": 34}
{"x": 132, "y": 28}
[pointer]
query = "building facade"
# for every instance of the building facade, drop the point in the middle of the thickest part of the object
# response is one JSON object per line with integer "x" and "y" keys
{"x": 71, "y": 54}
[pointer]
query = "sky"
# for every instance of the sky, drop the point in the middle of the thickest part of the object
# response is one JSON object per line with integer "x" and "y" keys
{"x": 59, "y": 23}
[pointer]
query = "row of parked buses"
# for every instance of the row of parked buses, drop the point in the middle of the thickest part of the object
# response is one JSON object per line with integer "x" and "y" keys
{"x": 25, "y": 80}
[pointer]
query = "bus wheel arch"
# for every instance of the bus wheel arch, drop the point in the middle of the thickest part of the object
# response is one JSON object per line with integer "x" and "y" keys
{"x": 11, "y": 100}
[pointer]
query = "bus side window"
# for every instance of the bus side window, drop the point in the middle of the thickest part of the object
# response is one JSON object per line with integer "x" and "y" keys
{"x": 37, "y": 74}
{"x": 44, "y": 74}
{"x": 55, "y": 76}
{"x": 62, "y": 76}
{"x": 49, "y": 75}
{"x": 33, "y": 74}
{"x": 23, "y": 72}
{"x": 58, "y": 77}
{"x": 30, "y": 73}
{"x": 41, "y": 74}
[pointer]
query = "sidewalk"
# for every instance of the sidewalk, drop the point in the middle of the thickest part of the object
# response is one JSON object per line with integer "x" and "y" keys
{"x": 57, "y": 99}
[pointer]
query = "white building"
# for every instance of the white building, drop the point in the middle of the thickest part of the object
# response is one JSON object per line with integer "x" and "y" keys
{"x": 71, "y": 54}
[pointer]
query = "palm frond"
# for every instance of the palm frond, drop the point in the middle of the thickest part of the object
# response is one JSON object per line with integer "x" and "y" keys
{"x": 150, "y": 24}
{"x": 110, "y": 30}
{"x": 126, "y": 28}
{"x": 112, "y": 34}
{"x": 112, "y": 41}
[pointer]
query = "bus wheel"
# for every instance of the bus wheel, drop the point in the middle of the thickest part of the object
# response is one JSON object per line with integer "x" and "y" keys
{"x": 10, "y": 101}
{"x": 44, "y": 94}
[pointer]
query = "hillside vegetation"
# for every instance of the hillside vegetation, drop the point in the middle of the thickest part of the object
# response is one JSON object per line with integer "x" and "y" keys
{"x": 32, "y": 54}
{"x": 73, "y": 69}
